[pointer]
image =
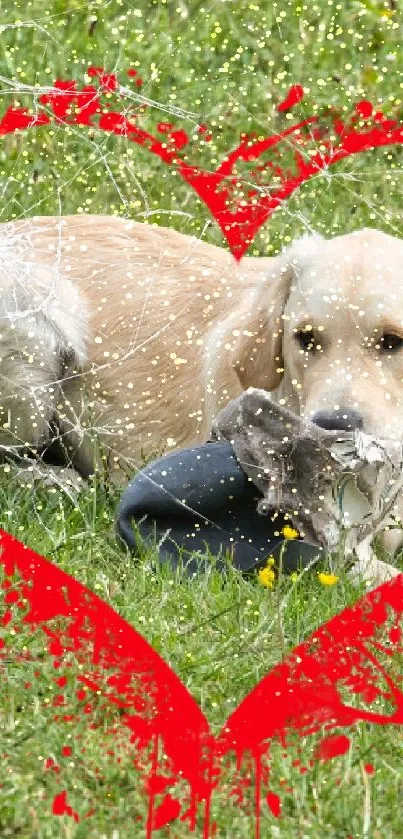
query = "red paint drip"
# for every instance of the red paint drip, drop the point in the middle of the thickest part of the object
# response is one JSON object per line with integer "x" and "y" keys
{"x": 274, "y": 803}
{"x": 166, "y": 812}
{"x": 302, "y": 694}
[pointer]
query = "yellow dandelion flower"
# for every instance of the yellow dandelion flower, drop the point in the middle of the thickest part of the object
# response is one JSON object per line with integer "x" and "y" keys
{"x": 289, "y": 532}
{"x": 327, "y": 579}
{"x": 266, "y": 577}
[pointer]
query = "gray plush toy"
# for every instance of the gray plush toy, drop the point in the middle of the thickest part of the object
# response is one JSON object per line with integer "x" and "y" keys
{"x": 339, "y": 488}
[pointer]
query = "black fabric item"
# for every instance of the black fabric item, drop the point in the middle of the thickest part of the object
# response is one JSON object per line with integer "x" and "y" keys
{"x": 202, "y": 496}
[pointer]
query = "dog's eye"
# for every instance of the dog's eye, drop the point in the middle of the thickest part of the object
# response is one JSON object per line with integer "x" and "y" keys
{"x": 306, "y": 339}
{"x": 391, "y": 343}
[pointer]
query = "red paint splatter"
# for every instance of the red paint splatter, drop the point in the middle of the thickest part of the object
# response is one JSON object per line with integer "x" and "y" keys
{"x": 302, "y": 694}
{"x": 333, "y": 746}
{"x": 294, "y": 95}
{"x": 274, "y": 803}
{"x": 216, "y": 188}
{"x": 364, "y": 109}
{"x": 49, "y": 763}
{"x": 108, "y": 81}
{"x": 62, "y": 808}
{"x": 166, "y": 812}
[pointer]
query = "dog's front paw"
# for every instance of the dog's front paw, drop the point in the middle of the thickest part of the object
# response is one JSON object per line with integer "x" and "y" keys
{"x": 373, "y": 572}
{"x": 391, "y": 540}
{"x": 35, "y": 472}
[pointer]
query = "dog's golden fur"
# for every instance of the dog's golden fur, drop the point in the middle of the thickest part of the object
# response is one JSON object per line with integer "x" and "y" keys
{"x": 135, "y": 335}
{"x": 104, "y": 327}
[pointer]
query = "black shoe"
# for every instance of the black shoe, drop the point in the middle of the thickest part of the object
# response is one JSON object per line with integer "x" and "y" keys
{"x": 204, "y": 499}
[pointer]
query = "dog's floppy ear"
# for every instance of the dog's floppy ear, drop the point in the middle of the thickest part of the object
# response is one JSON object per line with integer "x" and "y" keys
{"x": 258, "y": 351}
{"x": 66, "y": 325}
{"x": 48, "y": 308}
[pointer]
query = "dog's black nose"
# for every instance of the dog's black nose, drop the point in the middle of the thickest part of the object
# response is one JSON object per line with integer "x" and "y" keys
{"x": 345, "y": 419}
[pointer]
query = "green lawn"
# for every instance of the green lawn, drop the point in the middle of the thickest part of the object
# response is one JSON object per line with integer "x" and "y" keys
{"x": 225, "y": 64}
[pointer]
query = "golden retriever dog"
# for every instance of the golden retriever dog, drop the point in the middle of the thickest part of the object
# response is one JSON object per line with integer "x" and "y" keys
{"x": 122, "y": 340}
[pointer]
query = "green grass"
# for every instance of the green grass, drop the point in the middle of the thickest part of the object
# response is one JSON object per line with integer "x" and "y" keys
{"x": 219, "y": 638}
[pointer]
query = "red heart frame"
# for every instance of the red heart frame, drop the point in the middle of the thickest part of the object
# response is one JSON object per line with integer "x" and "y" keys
{"x": 215, "y": 188}
{"x": 302, "y": 694}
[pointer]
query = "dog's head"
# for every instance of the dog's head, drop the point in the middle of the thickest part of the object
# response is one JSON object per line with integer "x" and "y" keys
{"x": 42, "y": 343}
{"x": 326, "y": 333}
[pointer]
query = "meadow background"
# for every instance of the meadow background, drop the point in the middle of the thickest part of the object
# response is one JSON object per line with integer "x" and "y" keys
{"x": 227, "y": 65}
